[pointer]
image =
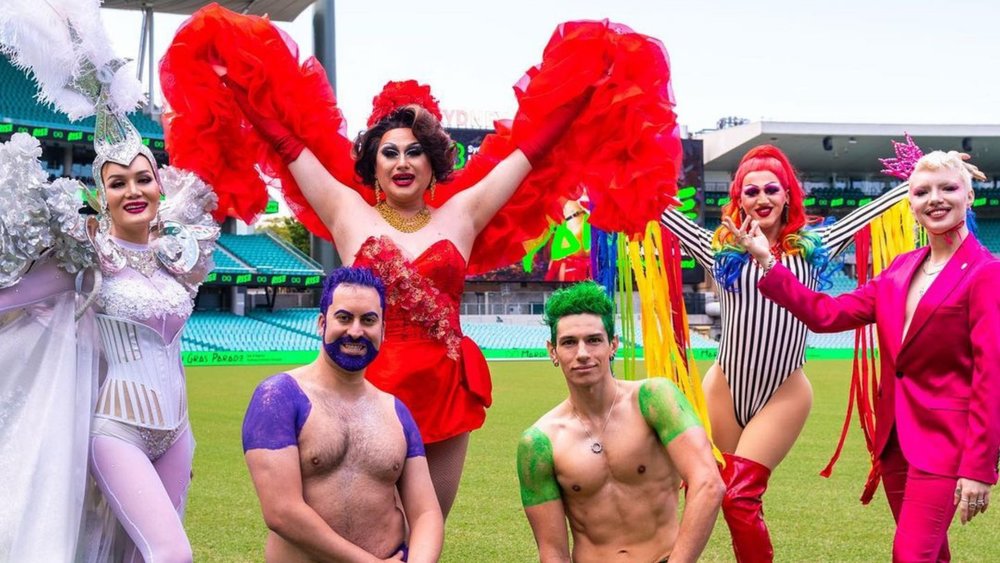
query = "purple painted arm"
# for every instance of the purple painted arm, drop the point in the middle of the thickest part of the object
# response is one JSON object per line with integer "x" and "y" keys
{"x": 278, "y": 410}
{"x": 414, "y": 443}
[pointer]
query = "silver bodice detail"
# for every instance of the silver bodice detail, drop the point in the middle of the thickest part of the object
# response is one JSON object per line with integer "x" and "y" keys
{"x": 133, "y": 297}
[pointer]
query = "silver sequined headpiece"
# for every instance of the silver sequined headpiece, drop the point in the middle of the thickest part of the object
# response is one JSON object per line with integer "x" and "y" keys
{"x": 116, "y": 140}
{"x": 63, "y": 43}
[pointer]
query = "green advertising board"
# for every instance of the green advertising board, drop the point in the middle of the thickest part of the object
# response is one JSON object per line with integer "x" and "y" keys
{"x": 296, "y": 357}
{"x": 263, "y": 280}
{"x": 57, "y": 134}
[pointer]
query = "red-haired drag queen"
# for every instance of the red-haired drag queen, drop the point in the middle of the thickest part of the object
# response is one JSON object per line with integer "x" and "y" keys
{"x": 758, "y": 397}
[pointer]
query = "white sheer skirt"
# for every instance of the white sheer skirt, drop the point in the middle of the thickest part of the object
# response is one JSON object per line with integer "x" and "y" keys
{"x": 46, "y": 403}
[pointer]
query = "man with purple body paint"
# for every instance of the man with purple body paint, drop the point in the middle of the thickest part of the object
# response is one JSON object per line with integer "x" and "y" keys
{"x": 328, "y": 451}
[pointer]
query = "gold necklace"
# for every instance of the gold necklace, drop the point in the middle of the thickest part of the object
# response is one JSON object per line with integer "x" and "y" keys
{"x": 403, "y": 224}
{"x": 597, "y": 447}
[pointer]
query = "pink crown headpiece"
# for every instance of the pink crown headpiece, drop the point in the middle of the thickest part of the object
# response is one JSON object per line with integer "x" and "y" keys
{"x": 907, "y": 155}
{"x": 396, "y": 94}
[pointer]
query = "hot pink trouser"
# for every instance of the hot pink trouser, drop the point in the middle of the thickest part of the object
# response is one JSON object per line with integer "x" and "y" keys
{"x": 923, "y": 505}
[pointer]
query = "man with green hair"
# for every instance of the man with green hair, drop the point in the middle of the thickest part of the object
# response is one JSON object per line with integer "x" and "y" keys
{"x": 612, "y": 456}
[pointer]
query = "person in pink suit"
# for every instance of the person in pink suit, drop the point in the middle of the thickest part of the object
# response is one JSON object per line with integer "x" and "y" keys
{"x": 937, "y": 313}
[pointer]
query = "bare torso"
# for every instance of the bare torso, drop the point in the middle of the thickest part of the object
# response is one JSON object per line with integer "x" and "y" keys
{"x": 918, "y": 286}
{"x": 621, "y": 503}
{"x": 352, "y": 455}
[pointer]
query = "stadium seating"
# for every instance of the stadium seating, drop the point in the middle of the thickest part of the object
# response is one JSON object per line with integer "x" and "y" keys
{"x": 989, "y": 234}
{"x": 18, "y": 104}
{"x": 700, "y": 342}
{"x": 266, "y": 254}
{"x": 208, "y": 331}
{"x": 842, "y": 284}
{"x": 226, "y": 263}
{"x": 295, "y": 329}
{"x": 839, "y": 340}
{"x": 507, "y": 336}
{"x": 300, "y": 321}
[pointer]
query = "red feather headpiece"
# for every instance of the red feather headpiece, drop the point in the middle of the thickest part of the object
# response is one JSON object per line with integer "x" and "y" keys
{"x": 395, "y": 95}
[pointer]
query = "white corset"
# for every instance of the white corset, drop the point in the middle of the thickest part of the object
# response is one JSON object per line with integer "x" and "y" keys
{"x": 145, "y": 381}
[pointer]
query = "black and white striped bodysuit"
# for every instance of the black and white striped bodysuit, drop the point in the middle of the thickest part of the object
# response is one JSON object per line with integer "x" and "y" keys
{"x": 762, "y": 343}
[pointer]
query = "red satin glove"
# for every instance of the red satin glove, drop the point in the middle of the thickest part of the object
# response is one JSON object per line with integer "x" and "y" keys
{"x": 536, "y": 139}
{"x": 285, "y": 143}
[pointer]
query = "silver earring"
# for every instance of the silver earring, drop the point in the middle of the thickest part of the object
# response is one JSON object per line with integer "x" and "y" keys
{"x": 104, "y": 221}
{"x": 154, "y": 225}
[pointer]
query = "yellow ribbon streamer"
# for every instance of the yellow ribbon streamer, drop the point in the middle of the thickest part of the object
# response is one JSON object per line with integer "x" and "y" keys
{"x": 664, "y": 356}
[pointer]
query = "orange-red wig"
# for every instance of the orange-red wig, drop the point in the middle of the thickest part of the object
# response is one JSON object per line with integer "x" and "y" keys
{"x": 766, "y": 158}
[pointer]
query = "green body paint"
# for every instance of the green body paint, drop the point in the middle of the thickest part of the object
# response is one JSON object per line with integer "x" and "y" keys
{"x": 665, "y": 408}
{"x": 536, "y": 468}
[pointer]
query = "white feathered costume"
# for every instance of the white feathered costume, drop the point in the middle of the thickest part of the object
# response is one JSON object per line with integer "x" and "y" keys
{"x": 48, "y": 340}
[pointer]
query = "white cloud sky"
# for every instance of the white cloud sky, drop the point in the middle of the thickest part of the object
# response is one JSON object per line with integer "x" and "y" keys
{"x": 884, "y": 61}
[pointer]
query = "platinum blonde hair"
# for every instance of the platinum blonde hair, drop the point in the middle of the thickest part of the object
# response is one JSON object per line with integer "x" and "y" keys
{"x": 951, "y": 160}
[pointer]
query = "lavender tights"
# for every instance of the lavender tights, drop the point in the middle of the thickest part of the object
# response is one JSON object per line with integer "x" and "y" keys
{"x": 147, "y": 495}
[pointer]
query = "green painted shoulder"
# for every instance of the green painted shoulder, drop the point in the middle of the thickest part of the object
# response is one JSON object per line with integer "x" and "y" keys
{"x": 536, "y": 468}
{"x": 665, "y": 408}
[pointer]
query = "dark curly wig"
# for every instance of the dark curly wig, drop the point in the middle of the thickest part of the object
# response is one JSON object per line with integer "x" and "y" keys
{"x": 437, "y": 145}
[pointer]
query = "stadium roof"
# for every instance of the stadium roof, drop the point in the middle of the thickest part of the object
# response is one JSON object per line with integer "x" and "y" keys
{"x": 852, "y": 147}
{"x": 278, "y": 10}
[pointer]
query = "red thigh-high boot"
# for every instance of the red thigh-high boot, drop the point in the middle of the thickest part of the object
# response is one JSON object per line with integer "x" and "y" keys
{"x": 746, "y": 481}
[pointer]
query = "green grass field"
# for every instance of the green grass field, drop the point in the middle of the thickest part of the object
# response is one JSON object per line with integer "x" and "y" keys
{"x": 811, "y": 518}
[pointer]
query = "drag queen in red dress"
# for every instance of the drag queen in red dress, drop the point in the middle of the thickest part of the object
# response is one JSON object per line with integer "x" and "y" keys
{"x": 596, "y": 114}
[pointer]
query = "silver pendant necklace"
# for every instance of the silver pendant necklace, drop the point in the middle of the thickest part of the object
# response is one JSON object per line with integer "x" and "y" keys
{"x": 142, "y": 261}
{"x": 930, "y": 275}
{"x": 596, "y": 446}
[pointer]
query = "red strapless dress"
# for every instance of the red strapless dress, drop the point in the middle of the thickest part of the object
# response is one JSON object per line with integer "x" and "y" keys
{"x": 425, "y": 360}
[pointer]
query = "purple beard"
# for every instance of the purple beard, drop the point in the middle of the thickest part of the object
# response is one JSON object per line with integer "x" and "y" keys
{"x": 350, "y": 362}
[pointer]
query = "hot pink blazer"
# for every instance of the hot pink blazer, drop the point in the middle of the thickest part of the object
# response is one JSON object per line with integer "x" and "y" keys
{"x": 940, "y": 385}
